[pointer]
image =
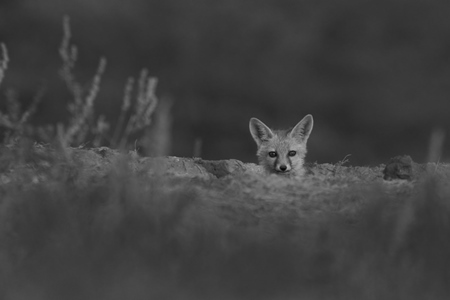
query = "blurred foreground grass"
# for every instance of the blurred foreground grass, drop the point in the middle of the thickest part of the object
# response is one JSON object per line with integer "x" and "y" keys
{"x": 85, "y": 224}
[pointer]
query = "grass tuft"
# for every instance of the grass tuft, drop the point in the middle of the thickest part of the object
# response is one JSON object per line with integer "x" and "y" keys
{"x": 82, "y": 108}
{"x": 84, "y": 125}
{"x": 145, "y": 105}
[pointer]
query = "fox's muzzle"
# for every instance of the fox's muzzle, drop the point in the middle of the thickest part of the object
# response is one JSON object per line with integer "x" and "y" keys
{"x": 282, "y": 168}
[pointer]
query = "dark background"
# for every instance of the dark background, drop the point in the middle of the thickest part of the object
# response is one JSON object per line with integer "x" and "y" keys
{"x": 374, "y": 74}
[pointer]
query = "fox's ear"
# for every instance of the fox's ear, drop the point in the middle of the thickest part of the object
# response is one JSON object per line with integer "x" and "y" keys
{"x": 303, "y": 129}
{"x": 260, "y": 132}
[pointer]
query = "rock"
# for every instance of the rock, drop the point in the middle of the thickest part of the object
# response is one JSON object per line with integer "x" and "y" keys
{"x": 399, "y": 167}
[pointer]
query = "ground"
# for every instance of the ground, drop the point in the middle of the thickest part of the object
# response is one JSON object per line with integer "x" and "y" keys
{"x": 100, "y": 224}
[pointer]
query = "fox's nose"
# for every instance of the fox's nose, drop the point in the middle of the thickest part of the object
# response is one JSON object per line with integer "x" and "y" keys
{"x": 283, "y": 168}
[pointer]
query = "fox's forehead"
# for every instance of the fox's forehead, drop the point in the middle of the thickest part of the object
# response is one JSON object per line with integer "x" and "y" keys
{"x": 282, "y": 134}
{"x": 282, "y": 143}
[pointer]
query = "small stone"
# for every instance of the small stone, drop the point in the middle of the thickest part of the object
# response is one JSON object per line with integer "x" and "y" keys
{"x": 399, "y": 167}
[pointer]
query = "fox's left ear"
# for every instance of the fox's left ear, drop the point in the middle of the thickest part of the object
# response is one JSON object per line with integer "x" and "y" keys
{"x": 303, "y": 129}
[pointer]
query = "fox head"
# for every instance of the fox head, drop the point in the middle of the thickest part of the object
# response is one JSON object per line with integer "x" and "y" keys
{"x": 282, "y": 151}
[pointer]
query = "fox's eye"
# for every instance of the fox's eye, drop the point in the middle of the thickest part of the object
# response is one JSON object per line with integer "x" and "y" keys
{"x": 292, "y": 153}
{"x": 272, "y": 154}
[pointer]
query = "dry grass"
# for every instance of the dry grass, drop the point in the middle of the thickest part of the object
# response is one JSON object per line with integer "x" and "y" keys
{"x": 85, "y": 126}
{"x": 144, "y": 108}
{"x": 83, "y": 225}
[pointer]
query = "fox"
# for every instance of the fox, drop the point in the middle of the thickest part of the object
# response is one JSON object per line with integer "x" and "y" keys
{"x": 282, "y": 152}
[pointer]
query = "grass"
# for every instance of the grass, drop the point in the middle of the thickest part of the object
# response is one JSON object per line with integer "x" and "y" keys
{"x": 91, "y": 224}
{"x": 84, "y": 125}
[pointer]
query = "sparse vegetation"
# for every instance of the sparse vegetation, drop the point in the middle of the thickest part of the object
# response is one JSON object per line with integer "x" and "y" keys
{"x": 101, "y": 224}
{"x": 84, "y": 125}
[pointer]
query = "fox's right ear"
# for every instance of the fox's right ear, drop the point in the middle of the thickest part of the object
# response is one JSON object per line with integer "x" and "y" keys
{"x": 260, "y": 132}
